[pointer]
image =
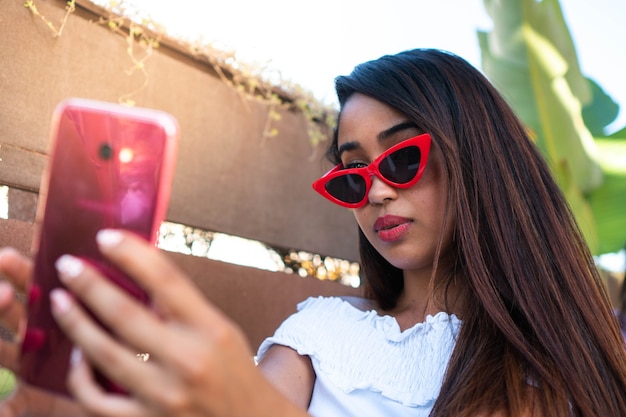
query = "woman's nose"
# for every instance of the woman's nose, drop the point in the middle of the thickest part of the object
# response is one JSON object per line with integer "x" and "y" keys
{"x": 380, "y": 191}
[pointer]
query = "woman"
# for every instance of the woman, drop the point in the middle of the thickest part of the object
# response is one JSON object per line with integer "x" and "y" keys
{"x": 483, "y": 299}
{"x": 498, "y": 246}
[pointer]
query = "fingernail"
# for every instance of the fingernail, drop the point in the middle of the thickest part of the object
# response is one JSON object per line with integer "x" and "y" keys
{"x": 69, "y": 267}
{"x": 76, "y": 356}
{"x": 61, "y": 301}
{"x": 108, "y": 238}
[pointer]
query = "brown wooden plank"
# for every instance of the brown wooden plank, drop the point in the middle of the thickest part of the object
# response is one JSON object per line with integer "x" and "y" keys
{"x": 255, "y": 299}
{"x": 22, "y": 205}
{"x": 228, "y": 179}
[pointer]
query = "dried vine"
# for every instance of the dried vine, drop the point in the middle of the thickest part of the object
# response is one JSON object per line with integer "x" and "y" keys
{"x": 249, "y": 82}
{"x": 56, "y": 32}
{"x": 140, "y": 45}
{"x": 142, "y": 36}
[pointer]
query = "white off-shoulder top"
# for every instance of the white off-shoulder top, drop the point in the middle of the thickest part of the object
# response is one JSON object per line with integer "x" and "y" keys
{"x": 364, "y": 364}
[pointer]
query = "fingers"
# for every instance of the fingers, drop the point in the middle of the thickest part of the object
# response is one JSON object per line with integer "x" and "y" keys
{"x": 191, "y": 361}
{"x": 30, "y": 401}
{"x": 127, "y": 318}
{"x": 12, "y": 312}
{"x": 135, "y": 325}
{"x": 14, "y": 405}
{"x": 174, "y": 294}
{"x": 92, "y": 397}
{"x": 9, "y": 355}
{"x": 16, "y": 268}
{"x": 117, "y": 361}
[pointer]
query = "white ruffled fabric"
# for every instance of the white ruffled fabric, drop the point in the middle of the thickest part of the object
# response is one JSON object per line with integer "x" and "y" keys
{"x": 357, "y": 350}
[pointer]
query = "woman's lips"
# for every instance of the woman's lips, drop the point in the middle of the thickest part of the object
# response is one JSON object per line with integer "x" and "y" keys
{"x": 391, "y": 228}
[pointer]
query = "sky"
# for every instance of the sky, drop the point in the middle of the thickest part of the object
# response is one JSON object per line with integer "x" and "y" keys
{"x": 310, "y": 43}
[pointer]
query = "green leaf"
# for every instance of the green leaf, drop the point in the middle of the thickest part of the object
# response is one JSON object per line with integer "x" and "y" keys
{"x": 7, "y": 382}
{"x": 608, "y": 202}
{"x": 530, "y": 57}
{"x": 601, "y": 111}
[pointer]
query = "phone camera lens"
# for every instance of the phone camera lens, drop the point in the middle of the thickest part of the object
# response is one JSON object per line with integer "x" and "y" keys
{"x": 106, "y": 151}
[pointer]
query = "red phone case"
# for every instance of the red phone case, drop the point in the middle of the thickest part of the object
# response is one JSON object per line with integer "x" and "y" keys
{"x": 110, "y": 166}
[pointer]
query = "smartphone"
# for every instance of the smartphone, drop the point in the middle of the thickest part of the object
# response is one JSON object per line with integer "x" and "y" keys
{"x": 110, "y": 166}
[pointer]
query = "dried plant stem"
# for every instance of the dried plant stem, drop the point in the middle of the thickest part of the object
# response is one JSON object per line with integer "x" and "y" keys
{"x": 69, "y": 9}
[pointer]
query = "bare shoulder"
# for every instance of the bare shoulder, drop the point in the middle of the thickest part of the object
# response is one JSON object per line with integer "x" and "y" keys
{"x": 290, "y": 372}
{"x": 284, "y": 356}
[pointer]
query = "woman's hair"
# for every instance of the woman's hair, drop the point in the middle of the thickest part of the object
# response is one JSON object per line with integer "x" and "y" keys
{"x": 621, "y": 312}
{"x": 622, "y": 308}
{"x": 534, "y": 308}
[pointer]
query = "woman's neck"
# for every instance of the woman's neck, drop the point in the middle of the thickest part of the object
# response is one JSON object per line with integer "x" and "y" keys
{"x": 418, "y": 299}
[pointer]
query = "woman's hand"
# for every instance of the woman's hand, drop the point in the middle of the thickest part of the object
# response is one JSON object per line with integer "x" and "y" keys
{"x": 16, "y": 269}
{"x": 199, "y": 361}
{"x": 25, "y": 400}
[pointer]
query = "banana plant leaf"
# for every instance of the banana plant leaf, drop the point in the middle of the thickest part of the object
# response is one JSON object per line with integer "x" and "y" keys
{"x": 530, "y": 56}
{"x": 608, "y": 201}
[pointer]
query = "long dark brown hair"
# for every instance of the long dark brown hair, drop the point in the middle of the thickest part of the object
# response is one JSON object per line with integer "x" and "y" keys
{"x": 538, "y": 334}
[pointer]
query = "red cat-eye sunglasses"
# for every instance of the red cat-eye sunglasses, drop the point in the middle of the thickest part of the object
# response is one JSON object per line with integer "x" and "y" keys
{"x": 400, "y": 166}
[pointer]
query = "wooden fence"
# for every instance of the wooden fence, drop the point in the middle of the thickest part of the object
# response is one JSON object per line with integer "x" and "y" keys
{"x": 229, "y": 177}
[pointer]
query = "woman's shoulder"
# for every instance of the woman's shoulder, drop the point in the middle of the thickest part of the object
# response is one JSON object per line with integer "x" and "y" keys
{"x": 332, "y": 321}
{"x": 353, "y": 346}
{"x": 315, "y": 322}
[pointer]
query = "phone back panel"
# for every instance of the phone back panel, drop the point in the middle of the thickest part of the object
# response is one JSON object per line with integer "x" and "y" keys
{"x": 110, "y": 167}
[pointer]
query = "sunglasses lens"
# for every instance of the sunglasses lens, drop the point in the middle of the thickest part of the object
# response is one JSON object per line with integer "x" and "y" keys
{"x": 349, "y": 188}
{"x": 401, "y": 166}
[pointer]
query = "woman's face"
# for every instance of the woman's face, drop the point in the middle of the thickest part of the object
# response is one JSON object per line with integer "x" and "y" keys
{"x": 404, "y": 225}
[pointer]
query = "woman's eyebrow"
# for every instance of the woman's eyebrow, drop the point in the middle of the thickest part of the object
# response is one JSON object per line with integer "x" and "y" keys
{"x": 348, "y": 146}
{"x": 382, "y": 136}
{"x": 386, "y": 134}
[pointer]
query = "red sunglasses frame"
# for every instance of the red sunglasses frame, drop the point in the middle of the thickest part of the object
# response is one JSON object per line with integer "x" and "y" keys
{"x": 421, "y": 141}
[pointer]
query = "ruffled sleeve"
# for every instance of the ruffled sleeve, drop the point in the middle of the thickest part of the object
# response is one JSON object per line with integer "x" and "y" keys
{"x": 360, "y": 350}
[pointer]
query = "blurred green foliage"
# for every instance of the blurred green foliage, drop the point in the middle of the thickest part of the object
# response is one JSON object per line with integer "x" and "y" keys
{"x": 530, "y": 56}
{"x": 7, "y": 382}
